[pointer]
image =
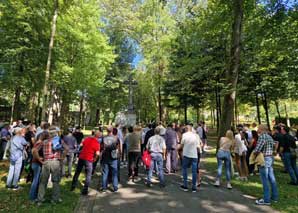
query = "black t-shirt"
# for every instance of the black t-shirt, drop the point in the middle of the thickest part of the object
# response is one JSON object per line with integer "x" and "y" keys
{"x": 278, "y": 137}
{"x": 110, "y": 143}
{"x": 79, "y": 136}
{"x": 148, "y": 135}
{"x": 28, "y": 137}
{"x": 287, "y": 142}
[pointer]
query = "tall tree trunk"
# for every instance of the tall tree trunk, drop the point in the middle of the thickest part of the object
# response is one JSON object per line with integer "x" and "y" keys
{"x": 64, "y": 112}
{"x": 236, "y": 120}
{"x": 159, "y": 103}
{"x": 265, "y": 104}
{"x": 185, "y": 112}
{"x": 81, "y": 109}
{"x": 287, "y": 116}
{"x": 97, "y": 116}
{"x": 278, "y": 111}
{"x": 48, "y": 67}
{"x": 233, "y": 71}
{"x": 258, "y": 108}
{"x": 217, "y": 110}
{"x": 198, "y": 114}
{"x": 15, "y": 109}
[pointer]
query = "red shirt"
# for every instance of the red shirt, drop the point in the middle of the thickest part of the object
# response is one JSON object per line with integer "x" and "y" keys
{"x": 90, "y": 147}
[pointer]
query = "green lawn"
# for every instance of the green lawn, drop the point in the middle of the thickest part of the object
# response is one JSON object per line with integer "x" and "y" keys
{"x": 18, "y": 201}
{"x": 288, "y": 201}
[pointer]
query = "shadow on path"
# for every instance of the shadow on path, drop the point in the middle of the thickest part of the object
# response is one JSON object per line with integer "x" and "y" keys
{"x": 136, "y": 197}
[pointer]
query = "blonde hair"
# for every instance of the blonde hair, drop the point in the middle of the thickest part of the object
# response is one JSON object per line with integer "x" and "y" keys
{"x": 230, "y": 135}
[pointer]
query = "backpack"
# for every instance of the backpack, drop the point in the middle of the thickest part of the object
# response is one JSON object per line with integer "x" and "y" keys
{"x": 56, "y": 144}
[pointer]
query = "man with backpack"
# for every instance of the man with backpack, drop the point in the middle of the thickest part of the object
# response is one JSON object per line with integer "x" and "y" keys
{"x": 54, "y": 150}
{"x": 110, "y": 159}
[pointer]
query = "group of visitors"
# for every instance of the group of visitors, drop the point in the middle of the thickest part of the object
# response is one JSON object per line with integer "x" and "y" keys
{"x": 42, "y": 152}
{"x": 254, "y": 151}
{"x": 45, "y": 153}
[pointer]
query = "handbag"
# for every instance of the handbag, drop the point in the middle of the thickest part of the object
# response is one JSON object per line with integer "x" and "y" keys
{"x": 146, "y": 158}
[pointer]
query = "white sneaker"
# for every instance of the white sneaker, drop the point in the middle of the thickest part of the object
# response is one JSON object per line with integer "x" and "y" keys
{"x": 229, "y": 186}
{"x": 217, "y": 183}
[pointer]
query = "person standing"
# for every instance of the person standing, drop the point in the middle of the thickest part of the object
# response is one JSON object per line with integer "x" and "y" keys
{"x": 51, "y": 166}
{"x": 285, "y": 147}
{"x": 36, "y": 165}
{"x": 157, "y": 148}
{"x": 71, "y": 142}
{"x": 5, "y": 137}
{"x": 190, "y": 144}
{"x": 110, "y": 159}
{"x": 88, "y": 155}
{"x": 134, "y": 151}
{"x": 17, "y": 147}
{"x": 266, "y": 145}
{"x": 240, "y": 150}
{"x": 171, "y": 144}
{"x": 224, "y": 154}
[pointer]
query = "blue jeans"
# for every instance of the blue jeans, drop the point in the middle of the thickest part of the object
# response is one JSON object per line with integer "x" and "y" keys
{"x": 291, "y": 167}
{"x": 156, "y": 159}
{"x": 14, "y": 173}
{"x": 88, "y": 169}
{"x": 36, "y": 167}
{"x": 113, "y": 165}
{"x": 267, "y": 176}
{"x": 186, "y": 163}
{"x": 224, "y": 156}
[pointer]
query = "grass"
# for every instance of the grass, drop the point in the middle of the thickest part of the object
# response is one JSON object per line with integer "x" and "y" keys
{"x": 18, "y": 201}
{"x": 288, "y": 195}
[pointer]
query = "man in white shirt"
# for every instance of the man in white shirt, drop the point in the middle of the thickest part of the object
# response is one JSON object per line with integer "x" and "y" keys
{"x": 157, "y": 148}
{"x": 190, "y": 144}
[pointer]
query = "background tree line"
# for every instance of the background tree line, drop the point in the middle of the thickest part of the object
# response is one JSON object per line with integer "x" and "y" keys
{"x": 188, "y": 56}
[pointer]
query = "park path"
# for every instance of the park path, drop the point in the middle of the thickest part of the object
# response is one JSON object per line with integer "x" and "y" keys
{"x": 136, "y": 197}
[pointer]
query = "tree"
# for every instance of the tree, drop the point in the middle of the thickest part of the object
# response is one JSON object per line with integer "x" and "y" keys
{"x": 233, "y": 71}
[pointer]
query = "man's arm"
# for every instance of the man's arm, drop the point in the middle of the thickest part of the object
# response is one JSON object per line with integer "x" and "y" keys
{"x": 260, "y": 145}
{"x": 65, "y": 151}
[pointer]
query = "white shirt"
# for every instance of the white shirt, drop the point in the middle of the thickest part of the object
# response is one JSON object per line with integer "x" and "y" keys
{"x": 191, "y": 142}
{"x": 239, "y": 145}
{"x": 156, "y": 144}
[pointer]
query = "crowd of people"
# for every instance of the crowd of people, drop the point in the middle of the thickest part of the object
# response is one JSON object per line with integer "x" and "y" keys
{"x": 48, "y": 154}
{"x": 254, "y": 151}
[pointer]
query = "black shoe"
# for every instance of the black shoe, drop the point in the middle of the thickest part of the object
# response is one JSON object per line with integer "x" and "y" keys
{"x": 183, "y": 188}
{"x": 103, "y": 190}
{"x": 84, "y": 193}
{"x": 194, "y": 190}
{"x": 149, "y": 184}
{"x": 162, "y": 185}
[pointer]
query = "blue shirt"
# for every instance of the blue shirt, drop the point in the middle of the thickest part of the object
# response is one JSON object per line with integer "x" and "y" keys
{"x": 17, "y": 147}
{"x": 4, "y": 134}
